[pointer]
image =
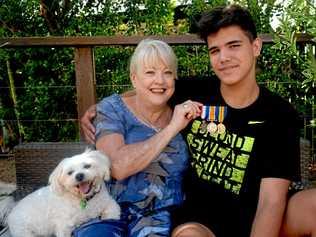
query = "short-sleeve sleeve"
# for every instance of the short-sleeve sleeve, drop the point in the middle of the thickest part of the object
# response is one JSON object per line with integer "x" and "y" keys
{"x": 282, "y": 154}
{"x": 108, "y": 119}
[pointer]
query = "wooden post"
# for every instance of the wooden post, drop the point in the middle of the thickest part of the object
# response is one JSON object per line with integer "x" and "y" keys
{"x": 85, "y": 80}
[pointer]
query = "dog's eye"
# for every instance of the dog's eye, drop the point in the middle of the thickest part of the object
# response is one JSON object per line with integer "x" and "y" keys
{"x": 87, "y": 166}
{"x": 70, "y": 172}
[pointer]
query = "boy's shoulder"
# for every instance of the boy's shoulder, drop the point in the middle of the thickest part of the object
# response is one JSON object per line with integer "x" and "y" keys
{"x": 275, "y": 100}
{"x": 278, "y": 105}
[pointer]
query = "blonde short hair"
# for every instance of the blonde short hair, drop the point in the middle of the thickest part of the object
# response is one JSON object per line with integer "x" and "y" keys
{"x": 149, "y": 52}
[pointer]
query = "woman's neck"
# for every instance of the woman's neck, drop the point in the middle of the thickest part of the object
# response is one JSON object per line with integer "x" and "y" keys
{"x": 240, "y": 96}
{"x": 154, "y": 116}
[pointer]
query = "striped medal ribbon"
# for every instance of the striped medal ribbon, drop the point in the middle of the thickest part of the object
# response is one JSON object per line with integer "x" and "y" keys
{"x": 213, "y": 114}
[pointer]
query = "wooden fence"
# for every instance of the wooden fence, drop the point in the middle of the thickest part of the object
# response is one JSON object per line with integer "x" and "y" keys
{"x": 84, "y": 55}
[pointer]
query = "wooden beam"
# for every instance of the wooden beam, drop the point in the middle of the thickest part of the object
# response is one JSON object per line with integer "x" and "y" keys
{"x": 79, "y": 41}
{"x": 91, "y": 41}
{"x": 85, "y": 80}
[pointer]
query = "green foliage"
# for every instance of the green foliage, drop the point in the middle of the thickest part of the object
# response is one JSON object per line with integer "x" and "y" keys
{"x": 262, "y": 12}
{"x": 21, "y": 18}
{"x": 193, "y": 55}
{"x": 44, "y": 78}
{"x": 112, "y": 70}
{"x": 289, "y": 67}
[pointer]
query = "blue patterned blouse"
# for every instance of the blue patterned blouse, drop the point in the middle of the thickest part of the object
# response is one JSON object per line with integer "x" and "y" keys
{"x": 159, "y": 186}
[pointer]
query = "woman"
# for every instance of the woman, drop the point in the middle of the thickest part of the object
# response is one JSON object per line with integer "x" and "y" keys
{"x": 146, "y": 179}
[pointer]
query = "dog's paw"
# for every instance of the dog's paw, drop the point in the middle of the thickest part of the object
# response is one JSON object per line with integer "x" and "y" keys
{"x": 113, "y": 212}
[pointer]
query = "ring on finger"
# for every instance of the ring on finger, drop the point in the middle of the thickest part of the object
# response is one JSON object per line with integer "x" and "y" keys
{"x": 185, "y": 105}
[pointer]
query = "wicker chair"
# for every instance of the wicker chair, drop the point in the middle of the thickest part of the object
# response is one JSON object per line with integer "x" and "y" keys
{"x": 35, "y": 161}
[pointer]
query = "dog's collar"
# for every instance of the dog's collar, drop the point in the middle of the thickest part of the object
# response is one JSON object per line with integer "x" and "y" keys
{"x": 84, "y": 201}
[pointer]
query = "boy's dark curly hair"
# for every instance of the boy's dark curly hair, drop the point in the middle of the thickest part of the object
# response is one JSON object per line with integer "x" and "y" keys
{"x": 219, "y": 17}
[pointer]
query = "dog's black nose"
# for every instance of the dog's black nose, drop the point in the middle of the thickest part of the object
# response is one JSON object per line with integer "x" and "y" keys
{"x": 79, "y": 177}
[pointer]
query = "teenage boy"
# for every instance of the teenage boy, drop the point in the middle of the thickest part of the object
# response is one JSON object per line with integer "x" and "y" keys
{"x": 245, "y": 146}
{"x": 238, "y": 181}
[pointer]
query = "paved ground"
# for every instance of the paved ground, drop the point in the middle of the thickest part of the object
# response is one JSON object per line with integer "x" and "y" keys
{"x": 7, "y": 170}
{"x": 6, "y": 188}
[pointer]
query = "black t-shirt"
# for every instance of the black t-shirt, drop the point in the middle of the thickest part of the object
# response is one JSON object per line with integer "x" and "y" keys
{"x": 222, "y": 184}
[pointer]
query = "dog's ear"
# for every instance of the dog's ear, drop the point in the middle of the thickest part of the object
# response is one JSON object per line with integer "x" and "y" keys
{"x": 55, "y": 179}
{"x": 88, "y": 149}
{"x": 104, "y": 164}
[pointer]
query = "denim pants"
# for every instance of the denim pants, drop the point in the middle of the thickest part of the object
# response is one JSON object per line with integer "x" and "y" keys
{"x": 100, "y": 228}
{"x": 132, "y": 225}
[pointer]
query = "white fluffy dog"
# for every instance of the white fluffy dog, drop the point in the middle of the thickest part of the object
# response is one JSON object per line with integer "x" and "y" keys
{"x": 76, "y": 194}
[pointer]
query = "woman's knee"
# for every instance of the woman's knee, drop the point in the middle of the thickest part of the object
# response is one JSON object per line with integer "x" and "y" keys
{"x": 192, "y": 229}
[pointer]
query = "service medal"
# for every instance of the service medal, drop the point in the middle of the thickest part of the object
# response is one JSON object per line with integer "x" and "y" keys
{"x": 213, "y": 114}
{"x": 203, "y": 127}
{"x": 212, "y": 128}
{"x": 221, "y": 129}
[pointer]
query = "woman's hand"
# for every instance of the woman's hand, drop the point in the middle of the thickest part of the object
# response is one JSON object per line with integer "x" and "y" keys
{"x": 86, "y": 124}
{"x": 184, "y": 113}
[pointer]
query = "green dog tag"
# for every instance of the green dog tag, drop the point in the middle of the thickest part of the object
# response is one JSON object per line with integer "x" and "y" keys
{"x": 83, "y": 204}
